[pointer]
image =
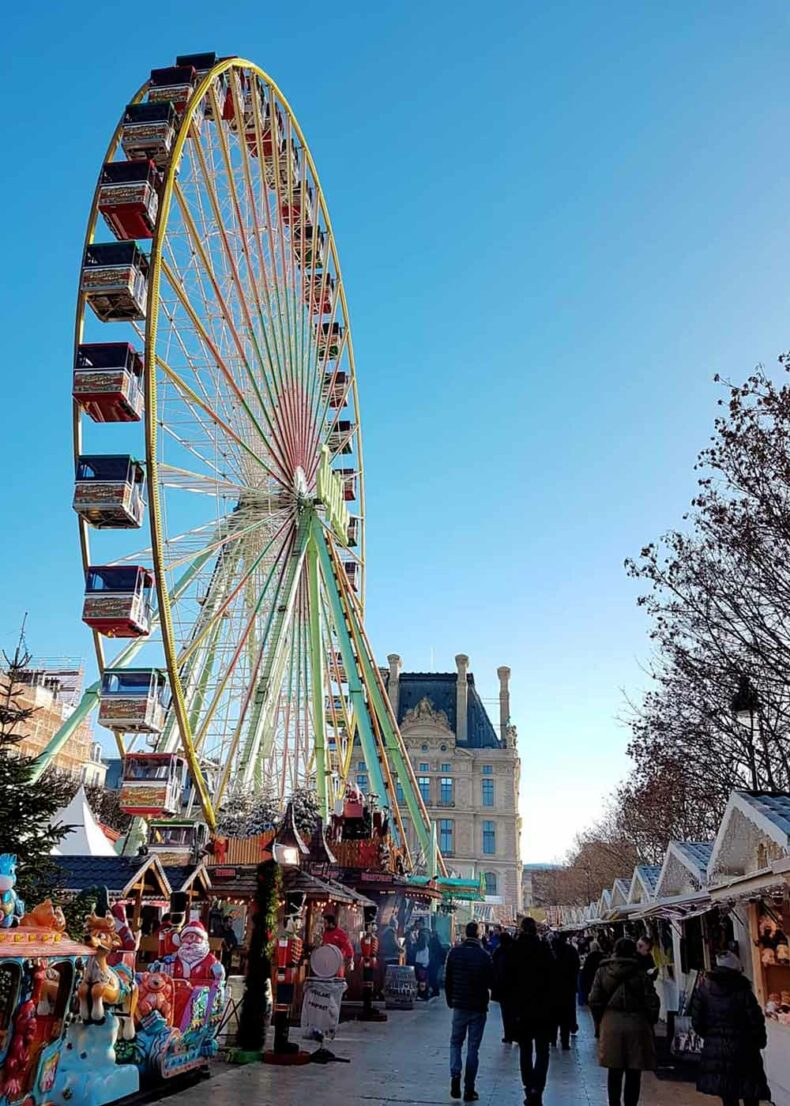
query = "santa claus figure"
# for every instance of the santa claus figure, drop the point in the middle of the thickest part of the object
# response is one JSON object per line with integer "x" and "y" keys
{"x": 193, "y": 959}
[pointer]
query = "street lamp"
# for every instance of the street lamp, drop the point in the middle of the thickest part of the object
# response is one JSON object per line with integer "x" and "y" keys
{"x": 745, "y": 702}
{"x": 745, "y": 705}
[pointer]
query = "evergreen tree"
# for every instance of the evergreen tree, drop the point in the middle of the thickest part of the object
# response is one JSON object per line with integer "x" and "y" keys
{"x": 25, "y": 808}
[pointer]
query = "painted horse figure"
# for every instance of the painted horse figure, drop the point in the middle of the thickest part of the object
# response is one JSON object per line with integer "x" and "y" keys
{"x": 11, "y": 906}
{"x": 102, "y": 984}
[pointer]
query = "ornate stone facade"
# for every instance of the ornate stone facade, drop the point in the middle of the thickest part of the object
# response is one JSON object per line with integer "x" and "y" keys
{"x": 469, "y": 774}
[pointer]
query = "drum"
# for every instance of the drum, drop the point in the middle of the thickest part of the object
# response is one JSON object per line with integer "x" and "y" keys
{"x": 326, "y": 961}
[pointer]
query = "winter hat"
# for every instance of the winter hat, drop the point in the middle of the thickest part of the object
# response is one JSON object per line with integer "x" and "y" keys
{"x": 194, "y": 927}
{"x": 729, "y": 960}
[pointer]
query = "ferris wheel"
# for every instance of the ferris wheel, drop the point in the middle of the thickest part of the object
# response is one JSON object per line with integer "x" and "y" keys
{"x": 219, "y": 478}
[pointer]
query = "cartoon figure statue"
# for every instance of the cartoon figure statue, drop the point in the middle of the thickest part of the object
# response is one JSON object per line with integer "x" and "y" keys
{"x": 128, "y": 943}
{"x": 156, "y": 993}
{"x": 18, "y": 1057}
{"x": 100, "y": 983}
{"x": 45, "y": 916}
{"x": 11, "y": 906}
{"x": 193, "y": 959}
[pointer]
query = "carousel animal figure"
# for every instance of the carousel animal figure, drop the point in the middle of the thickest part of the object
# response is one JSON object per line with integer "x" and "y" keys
{"x": 11, "y": 906}
{"x": 45, "y": 916}
{"x": 102, "y": 984}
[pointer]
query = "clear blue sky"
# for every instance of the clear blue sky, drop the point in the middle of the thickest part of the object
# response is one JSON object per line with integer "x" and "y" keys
{"x": 556, "y": 222}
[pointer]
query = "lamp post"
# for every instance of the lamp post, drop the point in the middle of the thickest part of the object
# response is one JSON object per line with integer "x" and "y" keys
{"x": 745, "y": 705}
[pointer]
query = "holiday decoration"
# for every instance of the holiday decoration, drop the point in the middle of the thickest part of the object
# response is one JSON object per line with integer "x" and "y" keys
{"x": 11, "y": 906}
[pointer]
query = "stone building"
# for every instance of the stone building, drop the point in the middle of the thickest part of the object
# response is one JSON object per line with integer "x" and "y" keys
{"x": 51, "y": 693}
{"x": 468, "y": 771}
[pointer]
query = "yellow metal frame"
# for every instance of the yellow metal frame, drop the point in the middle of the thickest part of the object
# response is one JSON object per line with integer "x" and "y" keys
{"x": 156, "y": 266}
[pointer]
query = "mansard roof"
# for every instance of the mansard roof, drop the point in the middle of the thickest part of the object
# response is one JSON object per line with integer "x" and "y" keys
{"x": 440, "y": 689}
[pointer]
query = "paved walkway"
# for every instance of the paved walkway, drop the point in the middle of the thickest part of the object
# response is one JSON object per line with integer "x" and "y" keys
{"x": 406, "y": 1061}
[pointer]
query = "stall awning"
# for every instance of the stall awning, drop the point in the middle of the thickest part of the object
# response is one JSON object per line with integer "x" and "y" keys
{"x": 766, "y": 881}
{"x": 314, "y": 888}
{"x": 676, "y": 909}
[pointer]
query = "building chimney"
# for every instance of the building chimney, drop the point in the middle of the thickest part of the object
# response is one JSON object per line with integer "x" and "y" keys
{"x": 393, "y": 682}
{"x": 504, "y": 701}
{"x": 461, "y": 697}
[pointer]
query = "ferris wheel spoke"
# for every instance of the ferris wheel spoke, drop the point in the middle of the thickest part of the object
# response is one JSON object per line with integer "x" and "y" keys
{"x": 190, "y": 310}
{"x": 246, "y": 577}
{"x": 289, "y": 566}
{"x": 190, "y": 395}
{"x": 233, "y": 270}
{"x": 222, "y": 302}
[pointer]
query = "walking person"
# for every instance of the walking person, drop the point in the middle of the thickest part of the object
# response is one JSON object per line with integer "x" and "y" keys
{"x": 533, "y": 982}
{"x": 503, "y": 957}
{"x": 389, "y": 945}
{"x": 422, "y": 960}
{"x": 726, "y": 1014}
{"x": 592, "y": 963}
{"x": 468, "y": 978}
{"x": 625, "y": 1006}
{"x": 566, "y": 985}
{"x": 436, "y": 958}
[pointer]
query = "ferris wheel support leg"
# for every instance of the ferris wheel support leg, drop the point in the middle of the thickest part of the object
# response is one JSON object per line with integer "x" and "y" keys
{"x": 394, "y": 749}
{"x": 356, "y": 689}
{"x": 317, "y": 679}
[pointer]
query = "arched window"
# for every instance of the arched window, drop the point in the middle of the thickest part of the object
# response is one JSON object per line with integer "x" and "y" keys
{"x": 490, "y": 882}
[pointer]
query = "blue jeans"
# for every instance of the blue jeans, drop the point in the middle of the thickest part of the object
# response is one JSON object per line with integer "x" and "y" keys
{"x": 472, "y": 1022}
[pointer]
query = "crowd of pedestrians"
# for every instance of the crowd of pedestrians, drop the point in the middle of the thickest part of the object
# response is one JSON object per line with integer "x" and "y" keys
{"x": 538, "y": 978}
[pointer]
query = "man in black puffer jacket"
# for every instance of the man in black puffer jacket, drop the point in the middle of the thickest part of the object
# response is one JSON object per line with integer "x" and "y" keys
{"x": 468, "y": 979}
{"x": 728, "y": 1017}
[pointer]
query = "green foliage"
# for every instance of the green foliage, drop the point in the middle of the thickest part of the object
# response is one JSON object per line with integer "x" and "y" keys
{"x": 26, "y": 808}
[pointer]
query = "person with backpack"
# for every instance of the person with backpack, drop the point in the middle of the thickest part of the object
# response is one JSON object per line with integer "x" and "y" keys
{"x": 726, "y": 1014}
{"x": 625, "y": 1007}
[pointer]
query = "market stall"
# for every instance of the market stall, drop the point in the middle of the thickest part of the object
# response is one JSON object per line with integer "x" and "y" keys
{"x": 748, "y": 878}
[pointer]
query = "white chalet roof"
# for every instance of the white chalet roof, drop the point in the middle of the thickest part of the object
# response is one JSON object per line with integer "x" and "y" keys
{"x": 685, "y": 869}
{"x": 754, "y": 832}
{"x": 604, "y": 903}
{"x": 85, "y": 836}
{"x": 643, "y": 884}
{"x": 620, "y": 889}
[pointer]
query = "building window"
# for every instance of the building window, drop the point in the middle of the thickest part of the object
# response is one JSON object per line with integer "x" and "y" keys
{"x": 489, "y": 838}
{"x": 399, "y": 791}
{"x": 443, "y": 748}
{"x": 488, "y": 769}
{"x": 446, "y": 836}
{"x": 424, "y": 748}
{"x": 362, "y": 767}
{"x": 424, "y": 766}
{"x": 424, "y": 784}
{"x": 446, "y": 795}
{"x": 362, "y": 782}
{"x": 489, "y": 879}
{"x": 445, "y": 768}
{"x": 488, "y": 792}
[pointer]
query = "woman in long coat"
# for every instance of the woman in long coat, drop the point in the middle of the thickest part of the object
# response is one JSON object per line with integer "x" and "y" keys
{"x": 625, "y": 1007}
{"x": 728, "y": 1017}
